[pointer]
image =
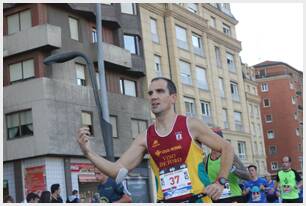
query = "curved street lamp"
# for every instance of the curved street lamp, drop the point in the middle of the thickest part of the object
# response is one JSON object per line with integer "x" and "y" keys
{"x": 106, "y": 127}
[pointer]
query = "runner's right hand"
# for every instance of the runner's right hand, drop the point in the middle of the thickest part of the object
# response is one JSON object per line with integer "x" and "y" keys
{"x": 83, "y": 139}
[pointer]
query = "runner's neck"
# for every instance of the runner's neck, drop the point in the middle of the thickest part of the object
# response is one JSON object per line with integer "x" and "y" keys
{"x": 165, "y": 123}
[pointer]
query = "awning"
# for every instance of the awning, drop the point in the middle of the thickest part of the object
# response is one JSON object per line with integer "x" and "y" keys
{"x": 87, "y": 178}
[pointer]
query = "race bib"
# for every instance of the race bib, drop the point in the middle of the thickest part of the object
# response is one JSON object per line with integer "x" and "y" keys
{"x": 175, "y": 181}
{"x": 226, "y": 191}
{"x": 286, "y": 188}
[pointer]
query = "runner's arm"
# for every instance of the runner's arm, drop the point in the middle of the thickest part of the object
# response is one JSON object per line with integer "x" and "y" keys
{"x": 129, "y": 160}
{"x": 240, "y": 170}
{"x": 203, "y": 134}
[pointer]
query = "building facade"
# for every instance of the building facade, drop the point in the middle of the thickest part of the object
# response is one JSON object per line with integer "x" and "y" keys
{"x": 45, "y": 105}
{"x": 195, "y": 45}
{"x": 280, "y": 87}
{"x": 253, "y": 102}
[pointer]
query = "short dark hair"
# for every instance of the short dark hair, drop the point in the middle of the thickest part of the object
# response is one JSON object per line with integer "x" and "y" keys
{"x": 170, "y": 84}
{"x": 289, "y": 158}
{"x": 74, "y": 192}
{"x": 54, "y": 188}
{"x": 45, "y": 197}
{"x": 252, "y": 166}
{"x": 32, "y": 196}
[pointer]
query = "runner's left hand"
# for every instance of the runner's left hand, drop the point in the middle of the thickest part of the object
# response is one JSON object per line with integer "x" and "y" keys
{"x": 214, "y": 190}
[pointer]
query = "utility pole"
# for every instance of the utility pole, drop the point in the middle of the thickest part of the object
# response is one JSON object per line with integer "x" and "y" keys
{"x": 107, "y": 131}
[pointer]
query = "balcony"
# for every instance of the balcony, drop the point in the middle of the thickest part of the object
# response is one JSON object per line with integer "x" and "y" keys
{"x": 113, "y": 54}
{"x": 45, "y": 35}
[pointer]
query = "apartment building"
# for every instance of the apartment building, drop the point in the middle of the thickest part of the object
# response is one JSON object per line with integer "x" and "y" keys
{"x": 195, "y": 45}
{"x": 280, "y": 87}
{"x": 253, "y": 102}
{"x": 45, "y": 105}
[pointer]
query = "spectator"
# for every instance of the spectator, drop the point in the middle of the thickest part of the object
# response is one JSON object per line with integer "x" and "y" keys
{"x": 56, "y": 194}
{"x": 74, "y": 198}
{"x": 9, "y": 199}
{"x": 254, "y": 188}
{"x": 110, "y": 191}
{"x": 45, "y": 197}
{"x": 32, "y": 198}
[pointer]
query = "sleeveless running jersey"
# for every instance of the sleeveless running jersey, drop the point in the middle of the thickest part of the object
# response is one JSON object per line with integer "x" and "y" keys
{"x": 177, "y": 163}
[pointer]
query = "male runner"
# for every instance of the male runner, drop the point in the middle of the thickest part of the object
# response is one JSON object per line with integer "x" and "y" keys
{"x": 173, "y": 143}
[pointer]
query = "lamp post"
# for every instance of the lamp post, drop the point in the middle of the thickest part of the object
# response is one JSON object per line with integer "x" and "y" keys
{"x": 106, "y": 127}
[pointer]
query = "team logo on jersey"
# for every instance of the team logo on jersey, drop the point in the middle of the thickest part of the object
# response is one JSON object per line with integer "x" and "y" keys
{"x": 178, "y": 136}
{"x": 155, "y": 144}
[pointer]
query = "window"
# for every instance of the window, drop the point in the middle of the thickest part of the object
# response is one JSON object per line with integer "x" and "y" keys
{"x": 80, "y": 74}
{"x": 256, "y": 147}
{"x": 241, "y": 150}
{"x": 251, "y": 110}
{"x": 98, "y": 80}
{"x": 295, "y": 116}
{"x": 128, "y": 87}
{"x": 297, "y": 131}
{"x": 224, "y": 118}
{"x": 87, "y": 121}
{"x": 269, "y": 118}
{"x": 261, "y": 148}
{"x": 253, "y": 131}
{"x": 254, "y": 90}
{"x": 272, "y": 150}
{"x": 221, "y": 87}
{"x": 274, "y": 166}
{"x": 258, "y": 130}
{"x": 189, "y": 107}
{"x": 94, "y": 37}
{"x": 300, "y": 148}
{"x": 291, "y": 85}
{"x": 154, "y": 33}
{"x": 201, "y": 78}
{"x": 230, "y": 62}
{"x": 238, "y": 121}
{"x": 131, "y": 43}
{"x": 213, "y": 22}
{"x": 226, "y": 30}
{"x": 113, "y": 121}
{"x": 19, "y": 124}
{"x": 197, "y": 44}
{"x": 206, "y": 113}
{"x": 264, "y": 87}
{"x": 74, "y": 28}
{"x": 293, "y": 100}
{"x": 266, "y": 103}
{"x": 181, "y": 37}
{"x": 185, "y": 73}
{"x": 22, "y": 70}
{"x": 157, "y": 66}
{"x": 192, "y": 7}
{"x": 138, "y": 126}
{"x": 19, "y": 21}
{"x": 218, "y": 57}
{"x": 270, "y": 134}
{"x": 256, "y": 111}
{"x": 128, "y": 8}
{"x": 301, "y": 162}
{"x": 234, "y": 91}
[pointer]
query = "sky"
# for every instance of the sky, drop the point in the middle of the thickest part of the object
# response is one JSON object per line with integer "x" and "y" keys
{"x": 270, "y": 31}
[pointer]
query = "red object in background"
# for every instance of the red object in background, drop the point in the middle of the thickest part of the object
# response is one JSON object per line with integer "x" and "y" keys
{"x": 35, "y": 179}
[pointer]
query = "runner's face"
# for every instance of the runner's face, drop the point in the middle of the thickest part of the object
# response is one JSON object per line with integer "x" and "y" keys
{"x": 252, "y": 172}
{"x": 286, "y": 163}
{"x": 159, "y": 97}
